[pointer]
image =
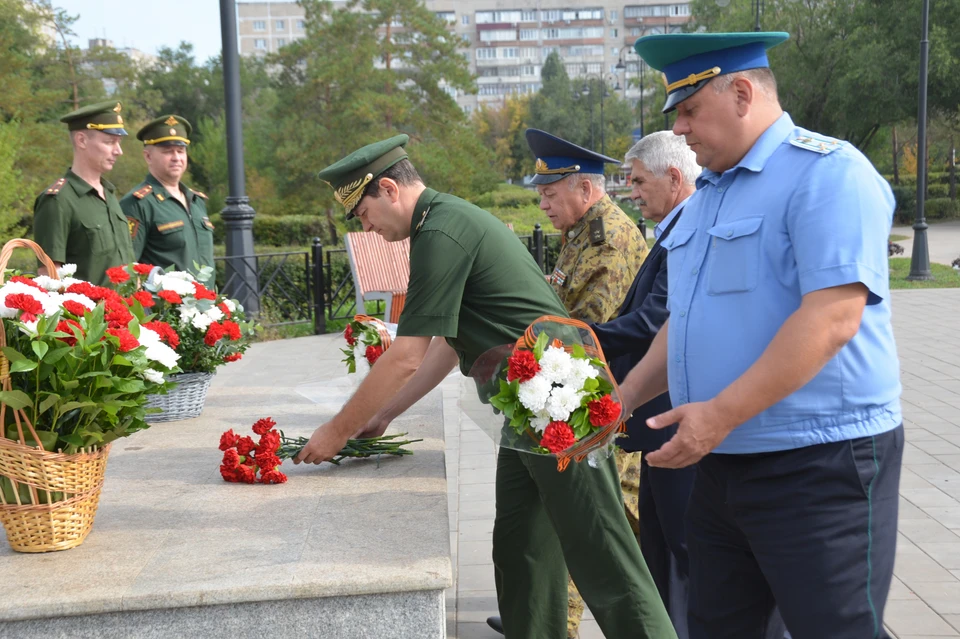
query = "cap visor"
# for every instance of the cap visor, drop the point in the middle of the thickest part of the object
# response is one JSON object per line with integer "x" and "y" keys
{"x": 171, "y": 143}
{"x": 547, "y": 179}
{"x": 680, "y": 95}
{"x": 117, "y": 131}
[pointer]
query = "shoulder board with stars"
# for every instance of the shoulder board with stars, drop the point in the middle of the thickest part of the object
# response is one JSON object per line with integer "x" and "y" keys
{"x": 817, "y": 143}
{"x": 54, "y": 188}
{"x": 199, "y": 194}
{"x": 143, "y": 192}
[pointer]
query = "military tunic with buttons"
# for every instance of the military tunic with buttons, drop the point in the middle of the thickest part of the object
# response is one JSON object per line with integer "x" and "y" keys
{"x": 74, "y": 225}
{"x": 600, "y": 256}
{"x": 164, "y": 233}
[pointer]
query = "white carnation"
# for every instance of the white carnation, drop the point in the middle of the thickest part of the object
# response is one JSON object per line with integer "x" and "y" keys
{"x": 563, "y": 401}
{"x": 230, "y": 305}
{"x": 148, "y": 336}
{"x": 67, "y": 270}
{"x": 30, "y": 328}
{"x": 214, "y": 313}
{"x": 70, "y": 281}
{"x": 201, "y": 321}
{"x": 177, "y": 285}
{"x": 533, "y": 393}
{"x": 555, "y": 364}
{"x": 49, "y": 284}
{"x": 153, "y": 376}
{"x": 580, "y": 371}
{"x": 360, "y": 357}
{"x": 540, "y": 421}
{"x": 160, "y": 352}
{"x": 49, "y": 305}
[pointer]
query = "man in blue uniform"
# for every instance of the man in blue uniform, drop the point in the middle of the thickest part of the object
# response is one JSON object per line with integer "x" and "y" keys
{"x": 662, "y": 176}
{"x": 779, "y": 356}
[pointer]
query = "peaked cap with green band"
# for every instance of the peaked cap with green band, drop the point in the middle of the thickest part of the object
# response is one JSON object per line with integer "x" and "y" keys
{"x": 166, "y": 130}
{"x": 103, "y": 116}
{"x": 351, "y": 175}
{"x": 690, "y": 60}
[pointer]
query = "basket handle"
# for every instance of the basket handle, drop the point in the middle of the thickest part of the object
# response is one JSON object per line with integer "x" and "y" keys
{"x": 7, "y": 252}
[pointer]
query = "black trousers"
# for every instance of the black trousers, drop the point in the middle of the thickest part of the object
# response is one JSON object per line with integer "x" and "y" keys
{"x": 812, "y": 531}
{"x": 664, "y": 494}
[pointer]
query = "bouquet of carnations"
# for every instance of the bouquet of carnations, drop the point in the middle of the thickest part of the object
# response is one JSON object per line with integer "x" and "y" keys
{"x": 82, "y": 362}
{"x": 367, "y": 339}
{"x": 205, "y": 328}
{"x": 552, "y": 392}
{"x": 243, "y": 459}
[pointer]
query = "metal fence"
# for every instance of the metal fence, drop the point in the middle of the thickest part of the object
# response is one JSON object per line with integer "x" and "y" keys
{"x": 316, "y": 285}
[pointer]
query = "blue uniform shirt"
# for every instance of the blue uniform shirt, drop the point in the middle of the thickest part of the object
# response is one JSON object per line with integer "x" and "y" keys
{"x": 799, "y": 213}
{"x": 665, "y": 222}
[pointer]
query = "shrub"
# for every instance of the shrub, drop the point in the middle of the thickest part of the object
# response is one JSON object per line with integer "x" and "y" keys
{"x": 507, "y": 196}
{"x": 940, "y": 208}
{"x": 281, "y": 230}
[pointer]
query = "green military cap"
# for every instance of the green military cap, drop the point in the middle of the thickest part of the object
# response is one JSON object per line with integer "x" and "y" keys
{"x": 690, "y": 60}
{"x": 165, "y": 131}
{"x": 104, "y": 116}
{"x": 351, "y": 175}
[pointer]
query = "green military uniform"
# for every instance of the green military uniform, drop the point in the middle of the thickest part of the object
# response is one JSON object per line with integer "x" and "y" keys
{"x": 164, "y": 231}
{"x": 71, "y": 222}
{"x": 597, "y": 264}
{"x": 474, "y": 283}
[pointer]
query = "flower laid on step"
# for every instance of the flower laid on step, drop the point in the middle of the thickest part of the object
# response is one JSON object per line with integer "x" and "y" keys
{"x": 205, "y": 328}
{"x": 367, "y": 339}
{"x": 83, "y": 360}
{"x": 552, "y": 392}
{"x": 247, "y": 462}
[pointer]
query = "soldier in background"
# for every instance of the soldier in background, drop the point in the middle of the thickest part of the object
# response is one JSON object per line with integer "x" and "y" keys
{"x": 602, "y": 251}
{"x": 77, "y": 219}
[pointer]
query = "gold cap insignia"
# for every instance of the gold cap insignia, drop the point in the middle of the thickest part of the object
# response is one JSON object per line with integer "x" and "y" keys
{"x": 116, "y": 109}
{"x": 542, "y": 169}
{"x": 349, "y": 194}
{"x": 541, "y": 166}
{"x": 171, "y": 121}
{"x": 119, "y": 120}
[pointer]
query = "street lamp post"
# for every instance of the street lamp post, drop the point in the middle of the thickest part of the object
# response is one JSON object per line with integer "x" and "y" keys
{"x": 241, "y": 267}
{"x": 586, "y": 91}
{"x": 920, "y": 258}
{"x": 758, "y": 8}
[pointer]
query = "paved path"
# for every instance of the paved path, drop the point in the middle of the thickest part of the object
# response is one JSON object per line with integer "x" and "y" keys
{"x": 943, "y": 239}
{"x": 925, "y": 598}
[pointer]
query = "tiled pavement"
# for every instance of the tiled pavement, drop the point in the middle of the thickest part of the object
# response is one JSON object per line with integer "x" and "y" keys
{"x": 925, "y": 598}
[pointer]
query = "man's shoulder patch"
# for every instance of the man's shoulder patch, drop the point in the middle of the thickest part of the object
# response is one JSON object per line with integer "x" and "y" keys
{"x": 598, "y": 234}
{"x": 143, "y": 192}
{"x": 199, "y": 194}
{"x": 817, "y": 143}
{"x": 134, "y": 225}
{"x": 54, "y": 188}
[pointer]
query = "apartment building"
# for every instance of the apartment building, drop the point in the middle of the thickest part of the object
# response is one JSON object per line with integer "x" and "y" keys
{"x": 508, "y": 40}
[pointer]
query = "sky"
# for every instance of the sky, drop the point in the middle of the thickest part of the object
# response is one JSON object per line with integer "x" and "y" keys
{"x": 148, "y": 25}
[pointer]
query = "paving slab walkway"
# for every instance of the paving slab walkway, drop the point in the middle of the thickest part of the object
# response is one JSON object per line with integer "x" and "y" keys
{"x": 943, "y": 240}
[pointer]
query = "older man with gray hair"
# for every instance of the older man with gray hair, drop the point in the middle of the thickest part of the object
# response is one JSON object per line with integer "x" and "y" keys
{"x": 663, "y": 175}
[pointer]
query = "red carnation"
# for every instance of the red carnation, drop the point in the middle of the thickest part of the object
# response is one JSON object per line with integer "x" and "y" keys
{"x": 229, "y": 439}
{"x": 246, "y": 474}
{"x": 117, "y": 314}
{"x": 231, "y": 458}
{"x": 245, "y": 445}
{"x": 267, "y": 462}
{"x": 74, "y": 308}
{"x": 557, "y": 437}
{"x": 348, "y": 334}
{"x": 170, "y": 296}
{"x": 26, "y": 317}
{"x": 165, "y": 331}
{"x": 143, "y": 269}
{"x": 82, "y": 288}
{"x": 269, "y": 443}
{"x": 26, "y": 280}
{"x": 523, "y": 365}
{"x": 262, "y": 426}
{"x": 603, "y": 410}
{"x": 229, "y": 474}
{"x": 232, "y": 329}
{"x": 118, "y": 275}
{"x": 272, "y": 477}
{"x": 63, "y": 326}
{"x": 127, "y": 341}
{"x": 214, "y": 333}
{"x": 226, "y": 309}
{"x": 373, "y": 353}
{"x": 203, "y": 293}
{"x": 145, "y": 299}
{"x": 26, "y": 303}
{"x": 232, "y": 357}
{"x": 98, "y": 293}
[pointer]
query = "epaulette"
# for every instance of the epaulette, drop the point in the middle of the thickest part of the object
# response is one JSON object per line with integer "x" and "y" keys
{"x": 203, "y": 195}
{"x": 817, "y": 143}
{"x": 54, "y": 188}
{"x": 143, "y": 192}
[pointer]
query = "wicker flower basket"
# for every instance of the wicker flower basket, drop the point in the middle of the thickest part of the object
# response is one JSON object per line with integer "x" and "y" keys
{"x": 71, "y": 482}
{"x": 184, "y": 401}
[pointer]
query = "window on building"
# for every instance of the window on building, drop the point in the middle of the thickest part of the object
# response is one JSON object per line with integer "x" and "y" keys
{"x": 635, "y": 31}
{"x": 528, "y": 16}
{"x": 569, "y": 15}
{"x": 613, "y": 15}
{"x": 281, "y": 42}
{"x": 498, "y": 35}
{"x": 528, "y": 69}
{"x": 259, "y": 25}
{"x": 550, "y": 16}
{"x": 396, "y": 22}
{"x": 528, "y": 34}
{"x": 680, "y": 10}
{"x": 508, "y": 52}
{"x": 486, "y": 54}
{"x": 529, "y": 53}
{"x": 488, "y": 72}
{"x": 301, "y": 24}
{"x": 260, "y": 43}
{"x": 594, "y": 67}
{"x": 466, "y": 38}
{"x": 280, "y": 25}
{"x": 614, "y": 33}
{"x": 447, "y": 16}
{"x": 468, "y": 109}
{"x": 548, "y": 50}
{"x": 614, "y": 51}
{"x": 465, "y": 19}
